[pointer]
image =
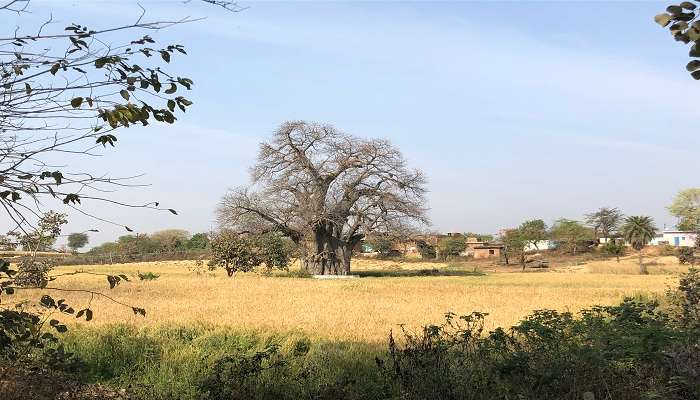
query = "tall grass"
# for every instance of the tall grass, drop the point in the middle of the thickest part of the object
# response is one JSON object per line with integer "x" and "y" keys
{"x": 171, "y": 362}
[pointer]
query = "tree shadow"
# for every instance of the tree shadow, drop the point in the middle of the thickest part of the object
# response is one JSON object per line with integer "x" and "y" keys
{"x": 400, "y": 273}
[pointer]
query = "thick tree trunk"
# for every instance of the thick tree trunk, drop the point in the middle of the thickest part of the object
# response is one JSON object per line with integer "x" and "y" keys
{"x": 327, "y": 255}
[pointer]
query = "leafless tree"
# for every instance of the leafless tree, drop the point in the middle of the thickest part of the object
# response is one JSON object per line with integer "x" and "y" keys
{"x": 325, "y": 190}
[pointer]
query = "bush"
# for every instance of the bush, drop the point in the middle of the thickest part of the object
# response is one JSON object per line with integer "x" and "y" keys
{"x": 686, "y": 255}
{"x": 426, "y": 251}
{"x": 198, "y": 362}
{"x": 635, "y": 350}
{"x": 33, "y": 272}
{"x": 614, "y": 248}
{"x": 148, "y": 276}
{"x": 452, "y": 247}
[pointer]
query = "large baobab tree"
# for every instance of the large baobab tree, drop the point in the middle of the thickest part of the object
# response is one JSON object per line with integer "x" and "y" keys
{"x": 325, "y": 190}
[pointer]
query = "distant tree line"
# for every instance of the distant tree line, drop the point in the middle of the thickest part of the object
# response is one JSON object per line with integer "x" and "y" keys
{"x": 162, "y": 241}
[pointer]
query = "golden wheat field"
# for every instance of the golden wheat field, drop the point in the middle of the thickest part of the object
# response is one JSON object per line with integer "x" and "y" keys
{"x": 362, "y": 309}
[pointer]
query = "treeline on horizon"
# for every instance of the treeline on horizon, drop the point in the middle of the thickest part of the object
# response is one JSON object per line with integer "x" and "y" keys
{"x": 167, "y": 240}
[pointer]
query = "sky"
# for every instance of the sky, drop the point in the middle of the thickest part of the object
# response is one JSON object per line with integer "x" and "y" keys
{"x": 513, "y": 110}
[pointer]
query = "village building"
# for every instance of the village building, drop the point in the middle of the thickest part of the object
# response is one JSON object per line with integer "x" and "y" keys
{"x": 675, "y": 238}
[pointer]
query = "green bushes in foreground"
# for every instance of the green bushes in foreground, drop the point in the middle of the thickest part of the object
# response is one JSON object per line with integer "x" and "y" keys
{"x": 639, "y": 349}
{"x": 197, "y": 362}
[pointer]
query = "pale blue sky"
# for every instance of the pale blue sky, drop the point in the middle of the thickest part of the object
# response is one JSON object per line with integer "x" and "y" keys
{"x": 514, "y": 110}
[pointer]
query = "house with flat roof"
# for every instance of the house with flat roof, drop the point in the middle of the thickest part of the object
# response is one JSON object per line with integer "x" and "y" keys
{"x": 675, "y": 238}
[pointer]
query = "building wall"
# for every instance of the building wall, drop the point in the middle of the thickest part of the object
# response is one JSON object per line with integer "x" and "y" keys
{"x": 681, "y": 239}
{"x": 486, "y": 253}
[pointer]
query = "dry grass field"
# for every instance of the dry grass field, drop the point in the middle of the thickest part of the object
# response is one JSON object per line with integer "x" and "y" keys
{"x": 364, "y": 309}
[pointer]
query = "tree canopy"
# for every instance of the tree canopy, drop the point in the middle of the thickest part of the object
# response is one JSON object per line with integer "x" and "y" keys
{"x": 605, "y": 222}
{"x": 533, "y": 232}
{"x": 325, "y": 189}
{"x": 638, "y": 231}
{"x": 77, "y": 240}
{"x": 686, "y": 207}
{"x": 570, "y": 233}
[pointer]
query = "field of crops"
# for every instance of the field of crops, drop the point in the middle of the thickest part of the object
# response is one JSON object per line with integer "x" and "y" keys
{"x": 365, "y": 309}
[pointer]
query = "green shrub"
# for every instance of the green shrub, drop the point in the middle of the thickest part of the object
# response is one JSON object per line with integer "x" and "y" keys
{"x": 635, "y": 350}
{"x": 614, "y": 248}
{"x": 200, "y": 362}
{"x": 686, "y": 255}
{"x": 148, "y": 276}
{"x": 426, "y": 251}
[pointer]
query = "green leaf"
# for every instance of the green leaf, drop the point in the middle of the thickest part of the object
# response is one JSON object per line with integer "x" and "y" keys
{"x": 54, "y": 69}
{"x": 172, "y": 211}
{"x": 125, "y": 94}
{"x": 76, "y": 102}
{"x": 674, "y": 9}
{"x": 172, "y": 89}
{"x": 663, "y": 19}
{"x": 57, "y": 176}
{"x": 694, "y": 51}
{"x": 693, "y": 65}
{"x": 688, "y": 5}
{"x": 171, "y": 105}
{"x": 695, "y": 75}
{"x": 27, "y": 88}
{"x": 165, "y": 56}
{"x": 128, "y": 229}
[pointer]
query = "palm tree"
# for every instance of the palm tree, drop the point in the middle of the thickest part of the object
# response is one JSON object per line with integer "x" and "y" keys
{"x": 638, "y": 230}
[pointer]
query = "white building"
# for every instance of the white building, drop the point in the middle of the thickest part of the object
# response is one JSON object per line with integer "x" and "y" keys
{"x": 675, "y": 238}
{"x": 541, "y": 245}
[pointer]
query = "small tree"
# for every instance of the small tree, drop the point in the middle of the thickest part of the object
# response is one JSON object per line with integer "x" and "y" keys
{"x": 426, "y": 250}
{"x": 170, "y": 239}
{"x": 44, "y": 236}
{"x": 273, "y": 251}
{"x": 638, "y": 230}
{"x": 233, "y": 252}
{"x": 382, "y": 244}
{"x": 533, "y": 232}
{"x": 614, "y": 248}
{"x": 571, "y": 233}
{"x": 605, "y": 222}
{"x": 198, "y": 241}
{"x": 514, "y": 246}
{"x": 451, "y": 247}
{"x": 33, "y": 271}
{"x": 686, "y": 207}
{"x": 686, "y": 255}
{"x": 77, "y": 241}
